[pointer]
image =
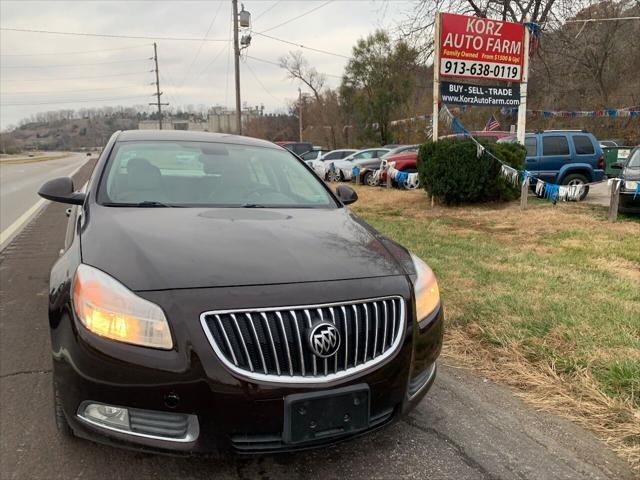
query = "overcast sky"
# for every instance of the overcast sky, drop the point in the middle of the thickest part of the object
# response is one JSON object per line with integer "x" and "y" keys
{"x": 44, "y": 68}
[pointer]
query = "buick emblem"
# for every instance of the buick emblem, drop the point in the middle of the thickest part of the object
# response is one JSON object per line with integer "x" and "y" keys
{"x": 324, "y": 339}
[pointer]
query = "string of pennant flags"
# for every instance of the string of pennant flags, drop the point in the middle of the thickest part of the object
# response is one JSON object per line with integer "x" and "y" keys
{"x": 626, "y": 112}
{"x": 633, "y": 112}
{"x": 543, "y": 189}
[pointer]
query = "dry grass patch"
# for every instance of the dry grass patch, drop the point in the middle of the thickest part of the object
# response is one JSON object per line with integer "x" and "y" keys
{"x": 546, "y": 300}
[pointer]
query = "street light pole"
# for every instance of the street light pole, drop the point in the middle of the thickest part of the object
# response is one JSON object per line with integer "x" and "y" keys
{"x": 236, "y": 54}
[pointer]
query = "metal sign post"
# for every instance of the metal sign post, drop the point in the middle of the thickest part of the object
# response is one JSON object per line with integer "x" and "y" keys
{"x": 522, "y": 108}
{"x": 436, "y": 77}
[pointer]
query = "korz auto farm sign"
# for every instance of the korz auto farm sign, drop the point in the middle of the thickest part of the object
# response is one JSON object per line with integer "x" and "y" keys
{"x": 472, "y": 47}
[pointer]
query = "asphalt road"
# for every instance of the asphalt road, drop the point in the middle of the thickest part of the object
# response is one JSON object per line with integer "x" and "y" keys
{"x": 465, "y": 428}
{"x": 19, "y": 183}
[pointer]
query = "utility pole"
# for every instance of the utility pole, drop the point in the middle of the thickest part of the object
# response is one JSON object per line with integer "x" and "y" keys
{"x": 236, "y": 54}
{"x": 300, "y": 113}
{"x": 158, "y": 92}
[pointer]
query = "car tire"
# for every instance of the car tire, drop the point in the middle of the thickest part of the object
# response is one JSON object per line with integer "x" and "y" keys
{"x": 62, "y": 424}
{"x": 369, "y": 179}
{"x": 334, "y": 176}
{"x": 577, "y": 179}
{"x": 417, "y": 185}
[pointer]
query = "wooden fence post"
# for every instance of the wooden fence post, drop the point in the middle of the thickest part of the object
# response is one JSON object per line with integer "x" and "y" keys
{"x": 388, "y": 179}
{"x": 357, "y": 176}
{"x": 524, "y": 192}
{"x": 615, "y": 198}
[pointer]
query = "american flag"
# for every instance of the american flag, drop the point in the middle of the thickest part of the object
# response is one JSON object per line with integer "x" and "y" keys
{"x": 492, "y": 124}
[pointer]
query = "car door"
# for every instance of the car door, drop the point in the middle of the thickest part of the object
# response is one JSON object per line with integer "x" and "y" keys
{"x": 555, "y": 153}
{"x": 532, "y": 160}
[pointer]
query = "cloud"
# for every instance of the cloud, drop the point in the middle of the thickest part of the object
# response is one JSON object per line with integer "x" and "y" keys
{"x": 26, "y": 79}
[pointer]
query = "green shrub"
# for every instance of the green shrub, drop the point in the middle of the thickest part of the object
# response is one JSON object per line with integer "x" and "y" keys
{"x": 450, "y": 170}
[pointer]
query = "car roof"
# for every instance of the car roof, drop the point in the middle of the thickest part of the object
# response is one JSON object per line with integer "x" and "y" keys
{"x": 191, "y": 136}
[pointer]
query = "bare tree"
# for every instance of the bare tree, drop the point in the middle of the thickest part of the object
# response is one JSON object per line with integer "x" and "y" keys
{"x": 298, "y": 68}
{"x": 417, "y": 28}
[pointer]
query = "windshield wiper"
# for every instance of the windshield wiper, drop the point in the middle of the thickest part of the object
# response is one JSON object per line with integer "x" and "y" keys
{"x": 154, "y": 203}
{"x": 252, "y": 205}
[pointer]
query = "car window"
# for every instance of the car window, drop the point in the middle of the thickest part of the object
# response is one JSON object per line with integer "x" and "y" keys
{"x": 555, "y": 145}
{"x": 530, "y": 144}
{"x": 364, "y": 155}
{"x": 380, "y": 153}
{"x": 583, "y": 145}
{"x": 333, "y": 156}
{"x": 634, "y": 159}
{"x": 310, "y": 155}
{"x": 195, "y": 174}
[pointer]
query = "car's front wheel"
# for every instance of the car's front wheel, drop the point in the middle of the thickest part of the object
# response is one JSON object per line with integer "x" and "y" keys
{"x": 334, "y": 176}
{"x": 61, "y": 420}
{"x": 410, "y": 186}
{"x": 575, "y": 179}
{"x": 370, "y": 179}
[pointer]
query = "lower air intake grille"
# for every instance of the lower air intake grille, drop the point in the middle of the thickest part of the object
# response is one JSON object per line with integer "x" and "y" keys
{"x": 159, "y": 424}
{"x": 272, "y": 344}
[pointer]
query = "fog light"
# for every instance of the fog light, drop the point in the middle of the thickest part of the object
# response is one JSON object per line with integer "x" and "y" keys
{"x": 107, "y": 415}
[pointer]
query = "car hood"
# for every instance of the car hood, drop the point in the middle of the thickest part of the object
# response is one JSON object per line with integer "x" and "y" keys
{"x": 169, "y": 248}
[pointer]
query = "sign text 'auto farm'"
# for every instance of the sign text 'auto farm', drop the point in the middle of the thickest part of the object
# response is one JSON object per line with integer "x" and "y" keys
{"x": 480, "y": 48}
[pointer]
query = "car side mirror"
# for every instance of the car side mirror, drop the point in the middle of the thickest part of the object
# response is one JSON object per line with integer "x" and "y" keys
{"x": 347, "y": 195}
{"x": 616, "y": 166}
{"x": 61, "y": 190}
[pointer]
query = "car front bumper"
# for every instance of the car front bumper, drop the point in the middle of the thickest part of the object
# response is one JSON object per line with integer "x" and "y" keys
{"x": 629, "y": 202}
{"x": 233, "y": 414}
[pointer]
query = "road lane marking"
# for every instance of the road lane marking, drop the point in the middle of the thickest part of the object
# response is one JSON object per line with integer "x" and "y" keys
{"x": 12, "y": 230}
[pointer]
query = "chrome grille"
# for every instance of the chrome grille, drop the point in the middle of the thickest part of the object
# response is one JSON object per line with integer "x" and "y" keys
{"x": 270, "y": 344}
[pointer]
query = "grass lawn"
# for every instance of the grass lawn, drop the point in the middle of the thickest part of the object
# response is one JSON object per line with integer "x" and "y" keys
{"x": 546, "y": 300}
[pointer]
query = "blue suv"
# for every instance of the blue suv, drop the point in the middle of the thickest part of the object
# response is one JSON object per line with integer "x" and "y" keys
{"x": 564, "y": 157}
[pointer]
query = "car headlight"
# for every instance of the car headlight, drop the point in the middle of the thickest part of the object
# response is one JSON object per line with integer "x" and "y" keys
{"x": 425, "y": 289}
{"x": 109, "y": 309}
{"x": 630, "y": 184}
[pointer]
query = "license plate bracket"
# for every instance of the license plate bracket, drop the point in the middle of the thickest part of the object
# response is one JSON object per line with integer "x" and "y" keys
{"x": 326, "y": 414}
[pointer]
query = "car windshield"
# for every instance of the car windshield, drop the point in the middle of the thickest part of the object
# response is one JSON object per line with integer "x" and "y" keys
{"x": 634, "y": 159}
{"x": 193, "y": 174}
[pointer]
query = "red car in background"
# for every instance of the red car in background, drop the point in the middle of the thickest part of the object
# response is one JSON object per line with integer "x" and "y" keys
{"x": 405, "y": 162}
{"x": 408, "y": 161}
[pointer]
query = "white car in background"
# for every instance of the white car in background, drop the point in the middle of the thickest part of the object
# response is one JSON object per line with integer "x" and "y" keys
{"x": 369, "y": 158}
{"x": 321, "y": 164}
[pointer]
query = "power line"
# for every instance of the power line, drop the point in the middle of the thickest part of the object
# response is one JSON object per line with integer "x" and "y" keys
{"x": 71, "y": 53}
{"x": 280, "y": 66}
{"x": 303, "y": 46}
{"x": 614, "y": 19}
{"x": 215, "y": 16}
{"x": 105, "y": 35}
{"x": 40, "y": 92}
{"x": 261, "y": 84}
{"x": 215, "y": 57}
{"x": 71, "y": 101}
{"x": 78, "y": 78}
{"x": 75, "y": 64}
{"x": 299, "y": 16}
{"x": 267, "y": 10}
